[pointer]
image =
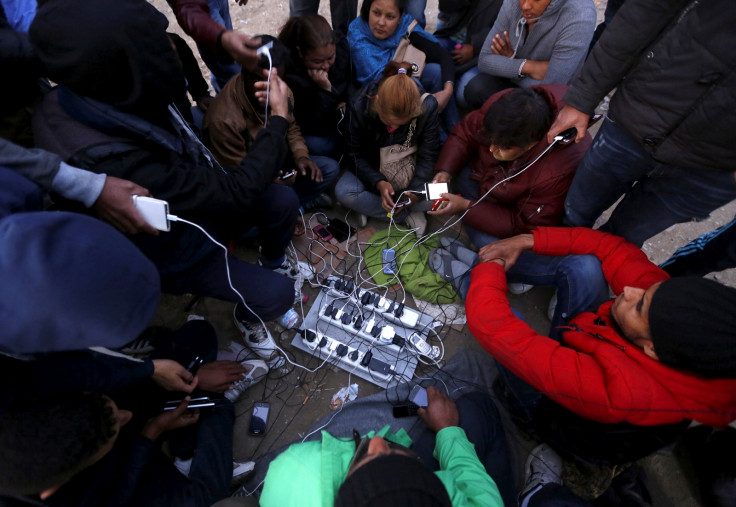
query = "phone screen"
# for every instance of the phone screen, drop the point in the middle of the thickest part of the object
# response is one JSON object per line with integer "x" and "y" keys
{"x": 259, "y": 418}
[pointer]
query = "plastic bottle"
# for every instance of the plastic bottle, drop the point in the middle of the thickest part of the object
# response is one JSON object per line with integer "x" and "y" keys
{"x": 290, "y": 319}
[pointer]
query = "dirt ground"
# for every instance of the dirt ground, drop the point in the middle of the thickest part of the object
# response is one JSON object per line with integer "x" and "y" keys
{"x": 300, "y": 398}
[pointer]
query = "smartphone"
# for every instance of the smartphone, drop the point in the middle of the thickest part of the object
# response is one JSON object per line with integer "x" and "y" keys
{"x": 435, "y": 189}
{"x": 288, "y": 175}
{"x": 153, "y": 211}
{"x": 193, "y": 403}
{"x": 389, "y": 261}
{"x": 418, "y": 396}
{"x": 322, "y": 232}
{"x": 340, "y": 230}
{"x": 259, "y": 418}
{"x": 405, "y": 410}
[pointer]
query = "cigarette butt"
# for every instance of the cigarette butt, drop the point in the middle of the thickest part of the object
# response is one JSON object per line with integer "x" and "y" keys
{"x": 306, "y": 398}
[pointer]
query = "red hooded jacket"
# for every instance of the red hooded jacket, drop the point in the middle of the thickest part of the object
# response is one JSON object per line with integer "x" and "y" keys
{"x": 595, "y": 372}
{"x": 535, "y": 197}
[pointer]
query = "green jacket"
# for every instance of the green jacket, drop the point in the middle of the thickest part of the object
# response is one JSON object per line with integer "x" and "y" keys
{"x": 309, "y": 474}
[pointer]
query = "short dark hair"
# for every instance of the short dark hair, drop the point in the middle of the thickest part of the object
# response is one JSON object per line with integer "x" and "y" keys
{"x": 365, "y": 9}
{"x": 518, "y": 118}
{"x": 44, "y": 442}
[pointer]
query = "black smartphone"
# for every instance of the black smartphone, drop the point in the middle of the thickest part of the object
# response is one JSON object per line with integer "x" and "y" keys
{"x": 340, "y": 230}
{"x": 259, "y": 418}
{"x": 405, "y": 410}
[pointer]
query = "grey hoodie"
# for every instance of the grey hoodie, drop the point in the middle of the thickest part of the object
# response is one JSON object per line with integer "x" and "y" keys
{"x": 561, "y": 36}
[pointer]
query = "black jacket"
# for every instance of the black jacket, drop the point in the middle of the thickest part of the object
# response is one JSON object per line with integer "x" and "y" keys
{"x": 367, "y": 135}
{"x": 315, "y": 109}
{"x": 675, "y": 69}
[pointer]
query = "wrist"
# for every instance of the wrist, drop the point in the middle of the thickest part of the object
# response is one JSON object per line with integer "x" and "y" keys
{"x": 521, "y": 69}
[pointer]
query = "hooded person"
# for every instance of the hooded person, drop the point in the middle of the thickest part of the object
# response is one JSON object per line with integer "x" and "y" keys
{"x": 118, "y": 74}
{"x": 532, "y": 43}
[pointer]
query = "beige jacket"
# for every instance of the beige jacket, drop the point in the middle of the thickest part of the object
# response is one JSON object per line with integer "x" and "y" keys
{"x": 232, "y": 123}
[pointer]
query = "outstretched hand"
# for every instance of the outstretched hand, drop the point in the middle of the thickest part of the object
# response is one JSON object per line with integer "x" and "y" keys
{"x": 506, "y": 250}
{"x": 566, "y": 118}
{"x": 441, "y": 411}
{"x": 241, "y": 48}
{"x": 219, "y": 376}
{"x": 172, "y": 376}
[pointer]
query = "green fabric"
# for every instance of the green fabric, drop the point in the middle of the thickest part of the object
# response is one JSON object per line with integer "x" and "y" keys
{"x": 413, "y": 263}
{"x": 309, "y": 474}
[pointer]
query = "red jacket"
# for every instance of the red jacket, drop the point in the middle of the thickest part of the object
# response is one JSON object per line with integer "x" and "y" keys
{"x": 536, "y": 197}
{"x": 595, "y": 372}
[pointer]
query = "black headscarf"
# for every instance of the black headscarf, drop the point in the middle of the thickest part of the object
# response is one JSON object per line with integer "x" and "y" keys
{"x": 114, "y": 51}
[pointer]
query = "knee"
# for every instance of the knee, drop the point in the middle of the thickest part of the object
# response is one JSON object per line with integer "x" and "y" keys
{"x": 277, "y": 298}
{"x": 347, "y": 191}
{"x": 475, "y": 92}
{"x": 281, "y": 201}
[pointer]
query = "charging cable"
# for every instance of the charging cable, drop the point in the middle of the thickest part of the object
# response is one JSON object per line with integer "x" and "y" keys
{"x": 265, "y": 50}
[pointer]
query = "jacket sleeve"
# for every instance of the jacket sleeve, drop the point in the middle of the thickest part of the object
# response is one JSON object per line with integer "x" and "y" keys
{"x": 196, "y": 85}
{"x": 194, "y": 18}
{"x": 362, "y": 149}
{"x": 435, "y": 54}
{"x": 429, "y": 143}
{"x": 571, "y": 378}
{"x": 461, "y": 145}
{"x": 569, "y": 49}
{"x": 623, "y": 263}
{"x": 484, "y": 16}
{"x": 636, "y": 25}
{"x": 542, "y": 204}
{"x": 498, "y": 65}
{"x": 295, "y": 139}
{"x": 463, "y": 475}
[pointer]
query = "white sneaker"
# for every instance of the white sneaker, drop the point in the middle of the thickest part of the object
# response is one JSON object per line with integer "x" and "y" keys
{"x": 417, "y": 221}
{"x": 259, "y": 340}
{"x": 256, "y": 370}
{"x": 287, "y": 268}
{"x": 543, "y": 466}
{"x": 519, "y": 288}
{"x": 359, "y": 219}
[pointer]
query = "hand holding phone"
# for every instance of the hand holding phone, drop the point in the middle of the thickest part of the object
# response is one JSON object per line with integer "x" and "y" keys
{"x": 153, "y": 211}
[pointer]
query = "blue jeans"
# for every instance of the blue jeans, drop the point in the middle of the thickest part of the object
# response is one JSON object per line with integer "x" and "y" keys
{"x": 663, "y": 194}
{"x": 342, "y": 12}
{"x": 220, "y": 72}
{"x": 416, "y": 9}
{"x": 307, "y": 189}
{"x": 463, "y": 79}
{"x": 352, "y": 194}
{"x": 579, "y": 279}
{"x": 326, "y": 146}
{"x": 431, "y": 80}
{"x": 479, "y": 88}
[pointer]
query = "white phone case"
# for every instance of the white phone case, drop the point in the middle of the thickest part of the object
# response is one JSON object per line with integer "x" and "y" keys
{"x": 153, "y": 211}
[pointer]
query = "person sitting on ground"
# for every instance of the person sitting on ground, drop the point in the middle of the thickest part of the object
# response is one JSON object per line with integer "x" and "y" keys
{"x": 319, "y": 76}
{"x": 390, "y": 112}
{"x": 374, "y": 37}
{"x": 237, "y": 115}
{"x": 462, "y": 27}
{"x": 498, "y": 142}
{"x": 532, "y": 42}
{"x": 110, "y": 114}
{"x": 626, "y": 379}
{"x": 381, "y": 469}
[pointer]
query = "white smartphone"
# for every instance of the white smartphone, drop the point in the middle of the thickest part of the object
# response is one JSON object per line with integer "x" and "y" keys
{"x": 153, "y": 211}
{"x": 435, "y": 189}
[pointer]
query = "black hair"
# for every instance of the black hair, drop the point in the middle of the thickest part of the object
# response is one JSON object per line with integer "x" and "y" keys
{"x": 517, "y": 119}
{"x": 279, "y": 54}
{"x": 46, "y": 441}
{"x": 365, "y": 9}
{"x": 306, "y": 33}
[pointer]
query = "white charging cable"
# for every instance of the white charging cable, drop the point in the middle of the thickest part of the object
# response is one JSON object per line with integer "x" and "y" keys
{"x": 265, "y": 49}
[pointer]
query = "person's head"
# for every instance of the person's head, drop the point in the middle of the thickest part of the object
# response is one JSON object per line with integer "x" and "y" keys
{"x": 279, "y": 60}
{"x": 310, "y": 39}
{"x": 115, "y": 52}
{"x": 533, "y": 9}
{"x": 386, "y": 474}
{"x": 45, "y": 442}
{"x": 515, "y": 123}
{"x": 397, "y": 100}
{"x": 686, "y": 323}
{"x": 382, "y": 16}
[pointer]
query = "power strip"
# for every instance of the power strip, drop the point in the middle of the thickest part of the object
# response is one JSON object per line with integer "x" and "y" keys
{"x": 390, "y": 310}
{"x": 349, "y": 358}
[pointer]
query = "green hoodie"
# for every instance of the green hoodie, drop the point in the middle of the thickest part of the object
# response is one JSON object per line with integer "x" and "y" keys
{"x": 309, "y": 474}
